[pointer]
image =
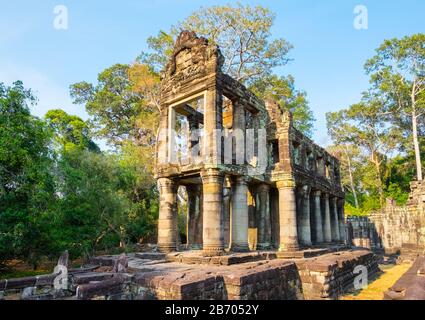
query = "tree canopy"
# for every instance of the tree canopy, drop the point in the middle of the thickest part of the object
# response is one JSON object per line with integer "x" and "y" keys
{"x": 243, "y": 33}
{"x": 379, "y": 139}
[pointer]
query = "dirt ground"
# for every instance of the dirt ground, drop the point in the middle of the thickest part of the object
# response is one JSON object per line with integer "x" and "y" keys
{"x": 376, "y": 289}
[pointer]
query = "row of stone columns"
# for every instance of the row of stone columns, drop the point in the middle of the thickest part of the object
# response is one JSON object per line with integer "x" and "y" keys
{"x": 327, "y": 212}
{"x": 225, "y": 223}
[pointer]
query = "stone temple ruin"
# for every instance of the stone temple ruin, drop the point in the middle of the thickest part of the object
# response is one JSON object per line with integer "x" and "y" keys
{"x": 393, "y": 229}
{"x": 265, "y": 216}
{"x": 284, "y": 186}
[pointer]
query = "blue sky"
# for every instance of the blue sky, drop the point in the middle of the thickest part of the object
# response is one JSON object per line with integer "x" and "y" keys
{"x": 328, "y": 54}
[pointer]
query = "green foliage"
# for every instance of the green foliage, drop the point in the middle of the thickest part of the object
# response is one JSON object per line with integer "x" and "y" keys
{"x": 397, "y": 75}
{"x": 351, "y": 210}
{"x": 70, "y": 131}
{"x": 112, "y": 103}
{"x": 243, "y": 34}
{"x": 251, "y": 54}
{"x": 59, "y": 192}
{"x": 241, "y": 31}
{"x": 383, "y": 126}
{"x": 282, "y": 89}
{"x": 26, "y": 185}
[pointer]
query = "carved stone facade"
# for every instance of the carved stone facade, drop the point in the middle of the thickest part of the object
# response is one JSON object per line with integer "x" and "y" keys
{"x": 284, "y": 187}
{"x": 393, "y": 228}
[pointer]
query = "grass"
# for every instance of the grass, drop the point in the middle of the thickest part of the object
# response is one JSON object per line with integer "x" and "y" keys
{"x": 18, "y": 269}
{"x": 375, "y": 290}
{"x": 19, "y": 273}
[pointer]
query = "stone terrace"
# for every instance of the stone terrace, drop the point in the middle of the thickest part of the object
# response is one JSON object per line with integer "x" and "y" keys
{"x": 238, "y": 276}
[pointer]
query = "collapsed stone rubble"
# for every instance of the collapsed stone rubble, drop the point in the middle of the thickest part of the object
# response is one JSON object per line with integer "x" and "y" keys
{"x": 242, "y": 276}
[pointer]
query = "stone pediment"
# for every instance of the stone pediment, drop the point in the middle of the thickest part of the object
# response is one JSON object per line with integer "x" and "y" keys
{"x": 193, "y": 57}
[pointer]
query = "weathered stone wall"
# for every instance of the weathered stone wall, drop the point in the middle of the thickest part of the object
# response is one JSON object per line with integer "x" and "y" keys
{"x": 332, "y": 275}
{"x": 252, "y": 281}
{"x": 393, "y": 228}
{"x": 152, "y": 276}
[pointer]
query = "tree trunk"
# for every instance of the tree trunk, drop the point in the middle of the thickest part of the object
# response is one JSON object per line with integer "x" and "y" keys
{"x": 376, "y": 162}
{"x": 416, "y": 143}
{"x": 353, "y": 189}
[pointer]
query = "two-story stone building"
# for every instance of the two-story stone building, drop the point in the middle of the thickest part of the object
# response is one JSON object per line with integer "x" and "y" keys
{"x": 242, "y": 162}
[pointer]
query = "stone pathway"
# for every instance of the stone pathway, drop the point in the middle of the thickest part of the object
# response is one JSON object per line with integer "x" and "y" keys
{"x": 375, "y": 291}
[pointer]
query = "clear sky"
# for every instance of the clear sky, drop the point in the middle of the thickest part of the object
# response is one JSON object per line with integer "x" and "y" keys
{"x": 328, "y": 55}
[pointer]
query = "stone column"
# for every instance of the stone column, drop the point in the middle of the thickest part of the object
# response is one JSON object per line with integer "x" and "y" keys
{"x": 335, "y": 221}
{"x": 318, "y": 217}
{"x": 239, "y": 126}
{"x": 212, "y": 182}
{"x": 239, "y": 237}
{"x": 163, "y": 134}
{"x": 342, "y": 225}
{"x": 193, "y": 213}
{"x": 305, "y": 227}
{"x": 227, "y": 193}
{"x": 167, "y": 221}
{"x": 264, "y": 225}
{"x": 212, "y": 122}
{"x": 287, "y": 216}
{"x": 327, "y": 234}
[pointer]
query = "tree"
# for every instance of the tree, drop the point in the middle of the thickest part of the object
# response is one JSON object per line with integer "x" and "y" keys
{"x": 363, "y": 125}
{"x": 91, "y": 208}
{"x": 146, "y": 83}
{"x": 241, "y": 31}
{"x": 398, "y": 75}
{"x": 282, "y": 89}
{"x": 70, "y": 131}
{"x": 26, "y": 184}
{"x": 243, "y": 34}
{"x": 112, "y": 103}
{"x": 351, "y": 160}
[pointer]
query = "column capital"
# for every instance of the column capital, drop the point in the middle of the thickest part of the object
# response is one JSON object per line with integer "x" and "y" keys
{"x": 325, "y": 195}
{"x": 317, "y": 193}
{"x": 241, "y": 180}
{"x": 263, "y": 187}
{"x": 212, "y": 176}
{"x": 285, "y": 184}
{"x": 167, "y": 183}
{"x": 305, "y": 190}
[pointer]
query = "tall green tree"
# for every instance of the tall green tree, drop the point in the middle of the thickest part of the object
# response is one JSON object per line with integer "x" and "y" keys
{"x": 90, "y": 212}
{"x": 397, "y": 73}
{"x": 112, "y": 104}
{"x": 363, "y": 125}
{"x": 26, "y": 184}
{"x": 70, "y": 131}
{"x": 243, "y": 33}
